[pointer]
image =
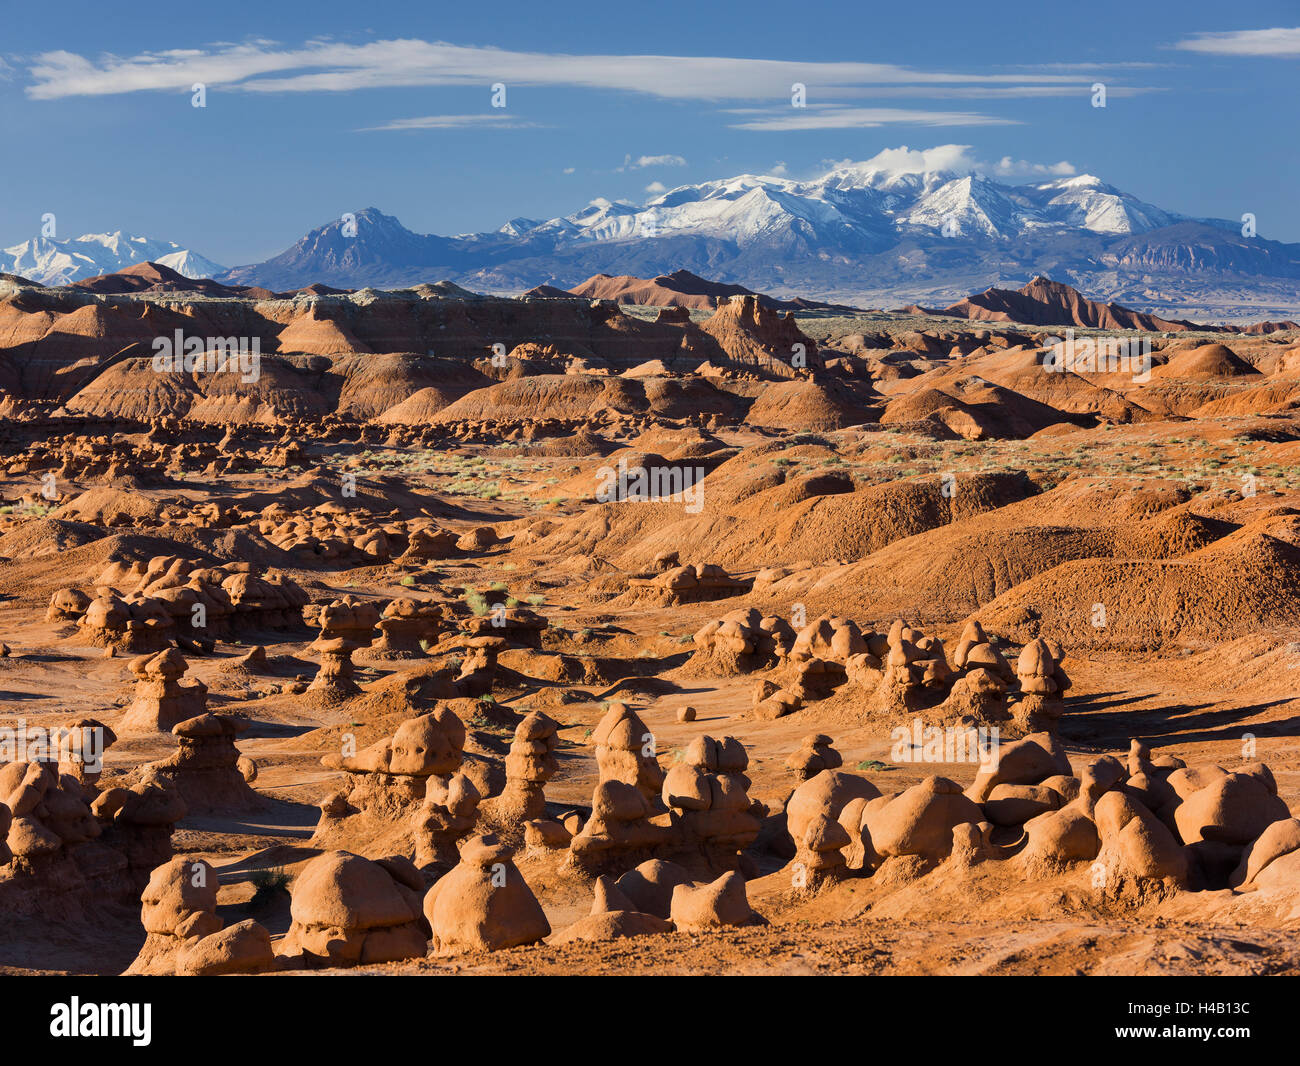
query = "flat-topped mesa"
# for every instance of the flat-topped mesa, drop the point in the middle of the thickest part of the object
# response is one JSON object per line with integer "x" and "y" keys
{"x": 184, "y": 933}
{"x": 1043, "y": 684}
{"x": 530, "y": 763}
{"x": 713, "y": 817}
{"x": 162, "y": 700}
{"x": 980, "y": 691}
{"x": 207, "y": 769}
{"x": 915, "y": 668}
{"x": 345, "y": 625}
{"x": 742, "y": 641}
{"x": 383, "y": 807}
{"x": 406, "y": 630}
{"x": 688, "y": 584}
{"x": 350, "y": 911}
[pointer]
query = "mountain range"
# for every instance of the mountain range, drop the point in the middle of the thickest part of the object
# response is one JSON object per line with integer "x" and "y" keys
{"x": 857, "y": 234}
{"x": 50, "y": 261}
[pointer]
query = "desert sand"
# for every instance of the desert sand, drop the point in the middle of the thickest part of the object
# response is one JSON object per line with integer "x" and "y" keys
{"x": 555, "y": 635}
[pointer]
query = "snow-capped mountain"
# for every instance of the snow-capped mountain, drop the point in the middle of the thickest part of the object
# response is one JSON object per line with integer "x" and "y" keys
{"x": 867, "y": 203}
{"x": 57, "y": 262}
{"x": 858, "y": 233}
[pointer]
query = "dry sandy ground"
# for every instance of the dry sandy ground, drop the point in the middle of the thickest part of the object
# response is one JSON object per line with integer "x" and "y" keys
{"x": 1195, "y": 699}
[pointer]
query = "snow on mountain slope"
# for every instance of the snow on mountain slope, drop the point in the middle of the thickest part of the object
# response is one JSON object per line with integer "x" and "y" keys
{"x": 57, "y": 262}
{"x": 862, "y": 200}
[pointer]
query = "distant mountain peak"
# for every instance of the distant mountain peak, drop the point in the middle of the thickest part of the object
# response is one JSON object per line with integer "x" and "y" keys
{"x": 51, "y": 261}
{"x": 858, "y": 233}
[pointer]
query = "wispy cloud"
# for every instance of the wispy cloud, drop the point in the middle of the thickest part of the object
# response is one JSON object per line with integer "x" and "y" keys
{"x": 951, "y": 159}
{"x": 656, "y": 187}
{"x": 652, "y": 161}
{"x": 487, "y": 120}
{"x": 1079, "y": 87}
{"x": 844, "y": 118}
{"x": 330, "y": 66}
{"x": 1283, "y": 43}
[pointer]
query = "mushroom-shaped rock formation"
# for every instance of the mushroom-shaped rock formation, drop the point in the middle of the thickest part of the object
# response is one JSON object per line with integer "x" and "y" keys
{"x": 350, "y": 911}
{"x": 625, "y": 751}
{"x": 1043, "y": 684}
{"x": 612, "y": 916}
{"x": 345, "y": 626}
{"x": 819, "y": 855}
{"x": 162, "y": 700}
{"x": 913, "y": 664}
{"x": 183, "y": 933}
{"x": 742, "y": 641}
{"x": 917, "y": 823}
{"x": 1138, "y": 852}
{"x": 530, "y": 763}
{"x": 381, "y": 805}
{"x": 723, "y": 902}
{"x": 650, "y": 885}
{"x": 1028, "y": 761}
{"x": 619, "y": 832}
{"x": 406, "y": 629}
{"x": 205, "y": 768}
{"x": 447, "y": 815}
{"x": 713, "y": 817}
{"x": 813, "y": 755}
{"x": 484, "y": 904}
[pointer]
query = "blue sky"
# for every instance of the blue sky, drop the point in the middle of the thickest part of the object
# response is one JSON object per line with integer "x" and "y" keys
{"x": 314, "y": 109}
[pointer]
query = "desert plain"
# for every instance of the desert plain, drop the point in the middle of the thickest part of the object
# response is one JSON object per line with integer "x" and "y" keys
{"x": 648, "y": 631}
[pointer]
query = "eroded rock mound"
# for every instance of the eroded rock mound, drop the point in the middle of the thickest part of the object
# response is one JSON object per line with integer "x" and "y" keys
{"x": 350, "y": 911}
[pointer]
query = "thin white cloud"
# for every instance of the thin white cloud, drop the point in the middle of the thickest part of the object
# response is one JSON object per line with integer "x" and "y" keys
{"x": 1082, "y": 89}
{"x": 1006, "y": 167}
{"x": 487, "y": 120}
{"x": 656, "y": 187}
{"x": 950, "y": 158}
{"x": 654, "y": 161}
{"x": 1090, "y": 66}
{"x": 1278, "y": 43}
{"x": 846, "y": 118}
{"x": 330, "y": 66}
